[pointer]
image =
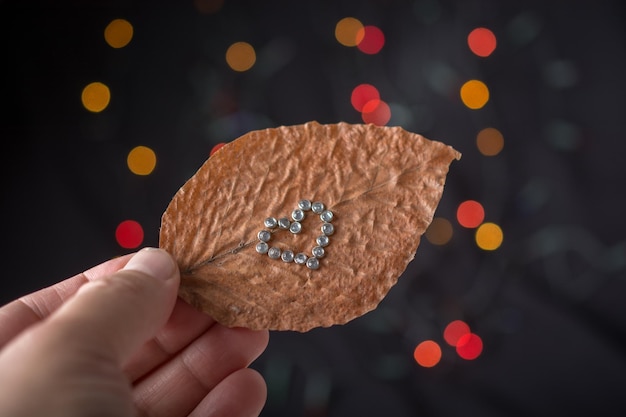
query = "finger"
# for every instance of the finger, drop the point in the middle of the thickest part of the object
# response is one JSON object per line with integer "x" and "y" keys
{"x": 241, "y": 394}
{"x": 32, "y": 308}
{"x": 179, "y": 386}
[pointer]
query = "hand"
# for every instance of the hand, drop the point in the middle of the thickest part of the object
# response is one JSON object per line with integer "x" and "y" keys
{"x": 116, "y": 341}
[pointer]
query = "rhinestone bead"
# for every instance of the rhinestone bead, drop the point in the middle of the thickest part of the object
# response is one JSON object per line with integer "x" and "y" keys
{"x": 322, "y": 240}
{"x": 262, "y": 247}
{"x": 304, "y": 205}
{"x": 284, "y": 223}
{"x": 264, "y": 236}
{"x": 312, "y": 263}
{"x": 270, "y": 222}
{"x": 300, "y": 259}
{"x": 317, "y": 207}
{"x": 273, "y": 252}
{"x": 297, "y": 215}
{"x": 295, "y": 228}
{"x": 328, "y": 229}
{"x": 287, "y": 256}
{"x": 327, "y": 216}
{"x": 318, "y": 252}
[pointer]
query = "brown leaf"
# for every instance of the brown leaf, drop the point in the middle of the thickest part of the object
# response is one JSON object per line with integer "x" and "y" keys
{"x": 383, "y": 185}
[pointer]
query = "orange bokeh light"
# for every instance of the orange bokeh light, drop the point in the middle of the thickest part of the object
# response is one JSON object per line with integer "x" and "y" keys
{"x": 427, "y": 353}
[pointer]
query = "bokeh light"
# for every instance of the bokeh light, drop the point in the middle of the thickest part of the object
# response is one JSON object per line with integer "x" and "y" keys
{"x": 240, "y": 56}
{"x": 469, "y": 346}
{"x": 440, "y": 231}
{"x": 489, "y": 236}
{"x": 377, "y": 112}
{"x": 482, "y": 42}
{"x": 427, "y": 353}
{"x": 349, "y": 31}
{"x": 470, "y": 214}
{"x": 372, "y": 40}
{"x": 454, "y": 331}
{"x": 216, "y": 148}
{"x": 118, "y": 33}
{"x": 129, "y": 234}
{"x": 362, "y": 94}
{"x": 489, "y": 141}
{"x": 474, "y": 94}
{"x": 96, "y": 97}
{"x": 141, "y": 160}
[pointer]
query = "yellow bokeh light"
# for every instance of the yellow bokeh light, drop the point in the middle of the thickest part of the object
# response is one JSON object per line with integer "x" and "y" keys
{"x": 489, "y": 236}
{"x": 141, "y": 160}
{"x": 474, "y": 94}
{"x": 489, "y": 141}
{"x": 439, "y": 232}
{"x": 240, "y": 56}
{"x": 118, "y": 33}
{"x": 96, "y": 97}
{"x": 349, "y": 31}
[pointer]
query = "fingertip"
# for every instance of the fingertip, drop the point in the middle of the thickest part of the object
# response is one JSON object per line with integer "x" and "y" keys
{"x": 155, "y": 262}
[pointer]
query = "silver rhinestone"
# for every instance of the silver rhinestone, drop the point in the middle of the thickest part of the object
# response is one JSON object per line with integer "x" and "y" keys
{"x": 287, "y": 256}
{"x": 270, "y": 222}
{"x": 327, "y": 216}
{"x": 328, "y": 229}
{"x": 300, "y": 258}
{"x": 297, "y": 215}
{"x": 322, "y": 240}
{"x": 284, "y": 223}
{"x": 264, "y": 236}
{"x": 318, "y": 252}
{"x": 312, "y": 263}
{"x": 295, "y": 227}
{"x": 304, "y": 205}
{"x": 274, "y": 252}
{"x": 317, "y": 207}
{"x": 262, "y": 247}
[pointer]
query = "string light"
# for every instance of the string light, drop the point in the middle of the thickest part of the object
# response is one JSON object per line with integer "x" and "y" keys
{"x": 348, "y": 31}
{"x": 482, "y": 42}
{"x": 96, "y": 97}
{"x": 141, "y": 160}
{"x": 470, "y": 214}
{"x": 372, "y": 40}
{"x": 240, "y": 56}
{"x": 469, "y": 346}
{"x": 489, "y": 236}
{"x": 377, "y": 112}
{"x": 454, "y": 331}
{"x": 474, "y": 94}
{"x": 129, "y": 234}
{"x": 362, "y": 94}
{"x": 118, "y": 33}
{"x": 427, "y": 353}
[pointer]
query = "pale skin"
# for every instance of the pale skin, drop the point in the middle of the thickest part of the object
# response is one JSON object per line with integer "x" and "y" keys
{"x": 116, "y": 341}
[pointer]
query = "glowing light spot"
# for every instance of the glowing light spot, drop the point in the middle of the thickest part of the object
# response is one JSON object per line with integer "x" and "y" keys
{"x": 362, "y": 94}
{"x": 129, "y": 234}
{"x": 240, "y": 56}
{"x": 208, "y": 6}
{"x": 490, "y": 141}
{"x": 372, "y": 40}
{"x": 469, "y": 346}
{"x": 377, "y": 112}
{"x": 96, "y": 97}
{"x": 474, "y": 94}
{"x": 141, "y": 160}
{"x": 489, "y": 236}
{"x": 482, "y": 42}
{"x": 349, "y": 31}
{"x": 439, "y": 232}
{"x": 216, "y": 148}
{"x": 470, "y": 214}
{"x": 118, "y": 33}
{"x": 454, "y": 331}
{"x": 427, "y": 353}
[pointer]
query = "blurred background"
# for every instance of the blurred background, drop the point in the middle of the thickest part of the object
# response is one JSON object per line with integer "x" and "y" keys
{"x": 515, "y": 302}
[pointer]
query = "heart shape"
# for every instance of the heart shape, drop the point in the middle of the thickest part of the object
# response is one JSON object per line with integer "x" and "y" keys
{"x": 295, "y": 226}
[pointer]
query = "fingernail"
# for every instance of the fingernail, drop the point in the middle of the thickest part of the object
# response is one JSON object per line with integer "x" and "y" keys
{"x": 152, "y": 261}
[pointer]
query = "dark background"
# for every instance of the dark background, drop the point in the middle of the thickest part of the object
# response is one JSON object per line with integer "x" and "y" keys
{"x": 548, "y": 304}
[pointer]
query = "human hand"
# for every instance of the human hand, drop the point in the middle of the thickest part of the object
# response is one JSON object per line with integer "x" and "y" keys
{"x": 116, "y": 341}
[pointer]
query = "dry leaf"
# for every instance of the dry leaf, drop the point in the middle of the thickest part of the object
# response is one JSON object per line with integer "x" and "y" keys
{"x": 383, "y": 185}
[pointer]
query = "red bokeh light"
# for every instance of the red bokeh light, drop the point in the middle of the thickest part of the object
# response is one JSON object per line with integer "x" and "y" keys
{"x": 470, "y": 214}
{"x": 377, "y": 112}
{"x": 454, "y": 331}
{"x": 129, "y": 234}
{"x": 469, "y": 346}
{"x": 372, "y": 40}
{"x": 362, "y": 94}
{"x": 216, "y": 148}
{"x": 482, "y": 42}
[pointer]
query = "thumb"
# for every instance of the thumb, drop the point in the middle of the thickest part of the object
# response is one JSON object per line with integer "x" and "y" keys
{"x": 115, "y": 315}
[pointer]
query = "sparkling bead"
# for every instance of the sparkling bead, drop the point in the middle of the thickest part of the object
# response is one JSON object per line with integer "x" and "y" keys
{"x": 317, "y": 207}
{"x": 318, "y": 252}
{"x": 312, "y": 263}
{"x": 270, "y": 222}
{"x": 304, "y": 205}
{"x": 322, "y": 240}
{"x": 287, "y": 256}
{"x": 327, "y": 216}
{"x": 300, "y": 258}
{"x": 274, "y": 252}
{"x": 296, "y": 227}
{"x": 264, "y": 236}
{"x": 284, "y": 223}
{"x": 328, "y": 229}
{"x": 262, "y": 247}
{"x": 297, "y": 215}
